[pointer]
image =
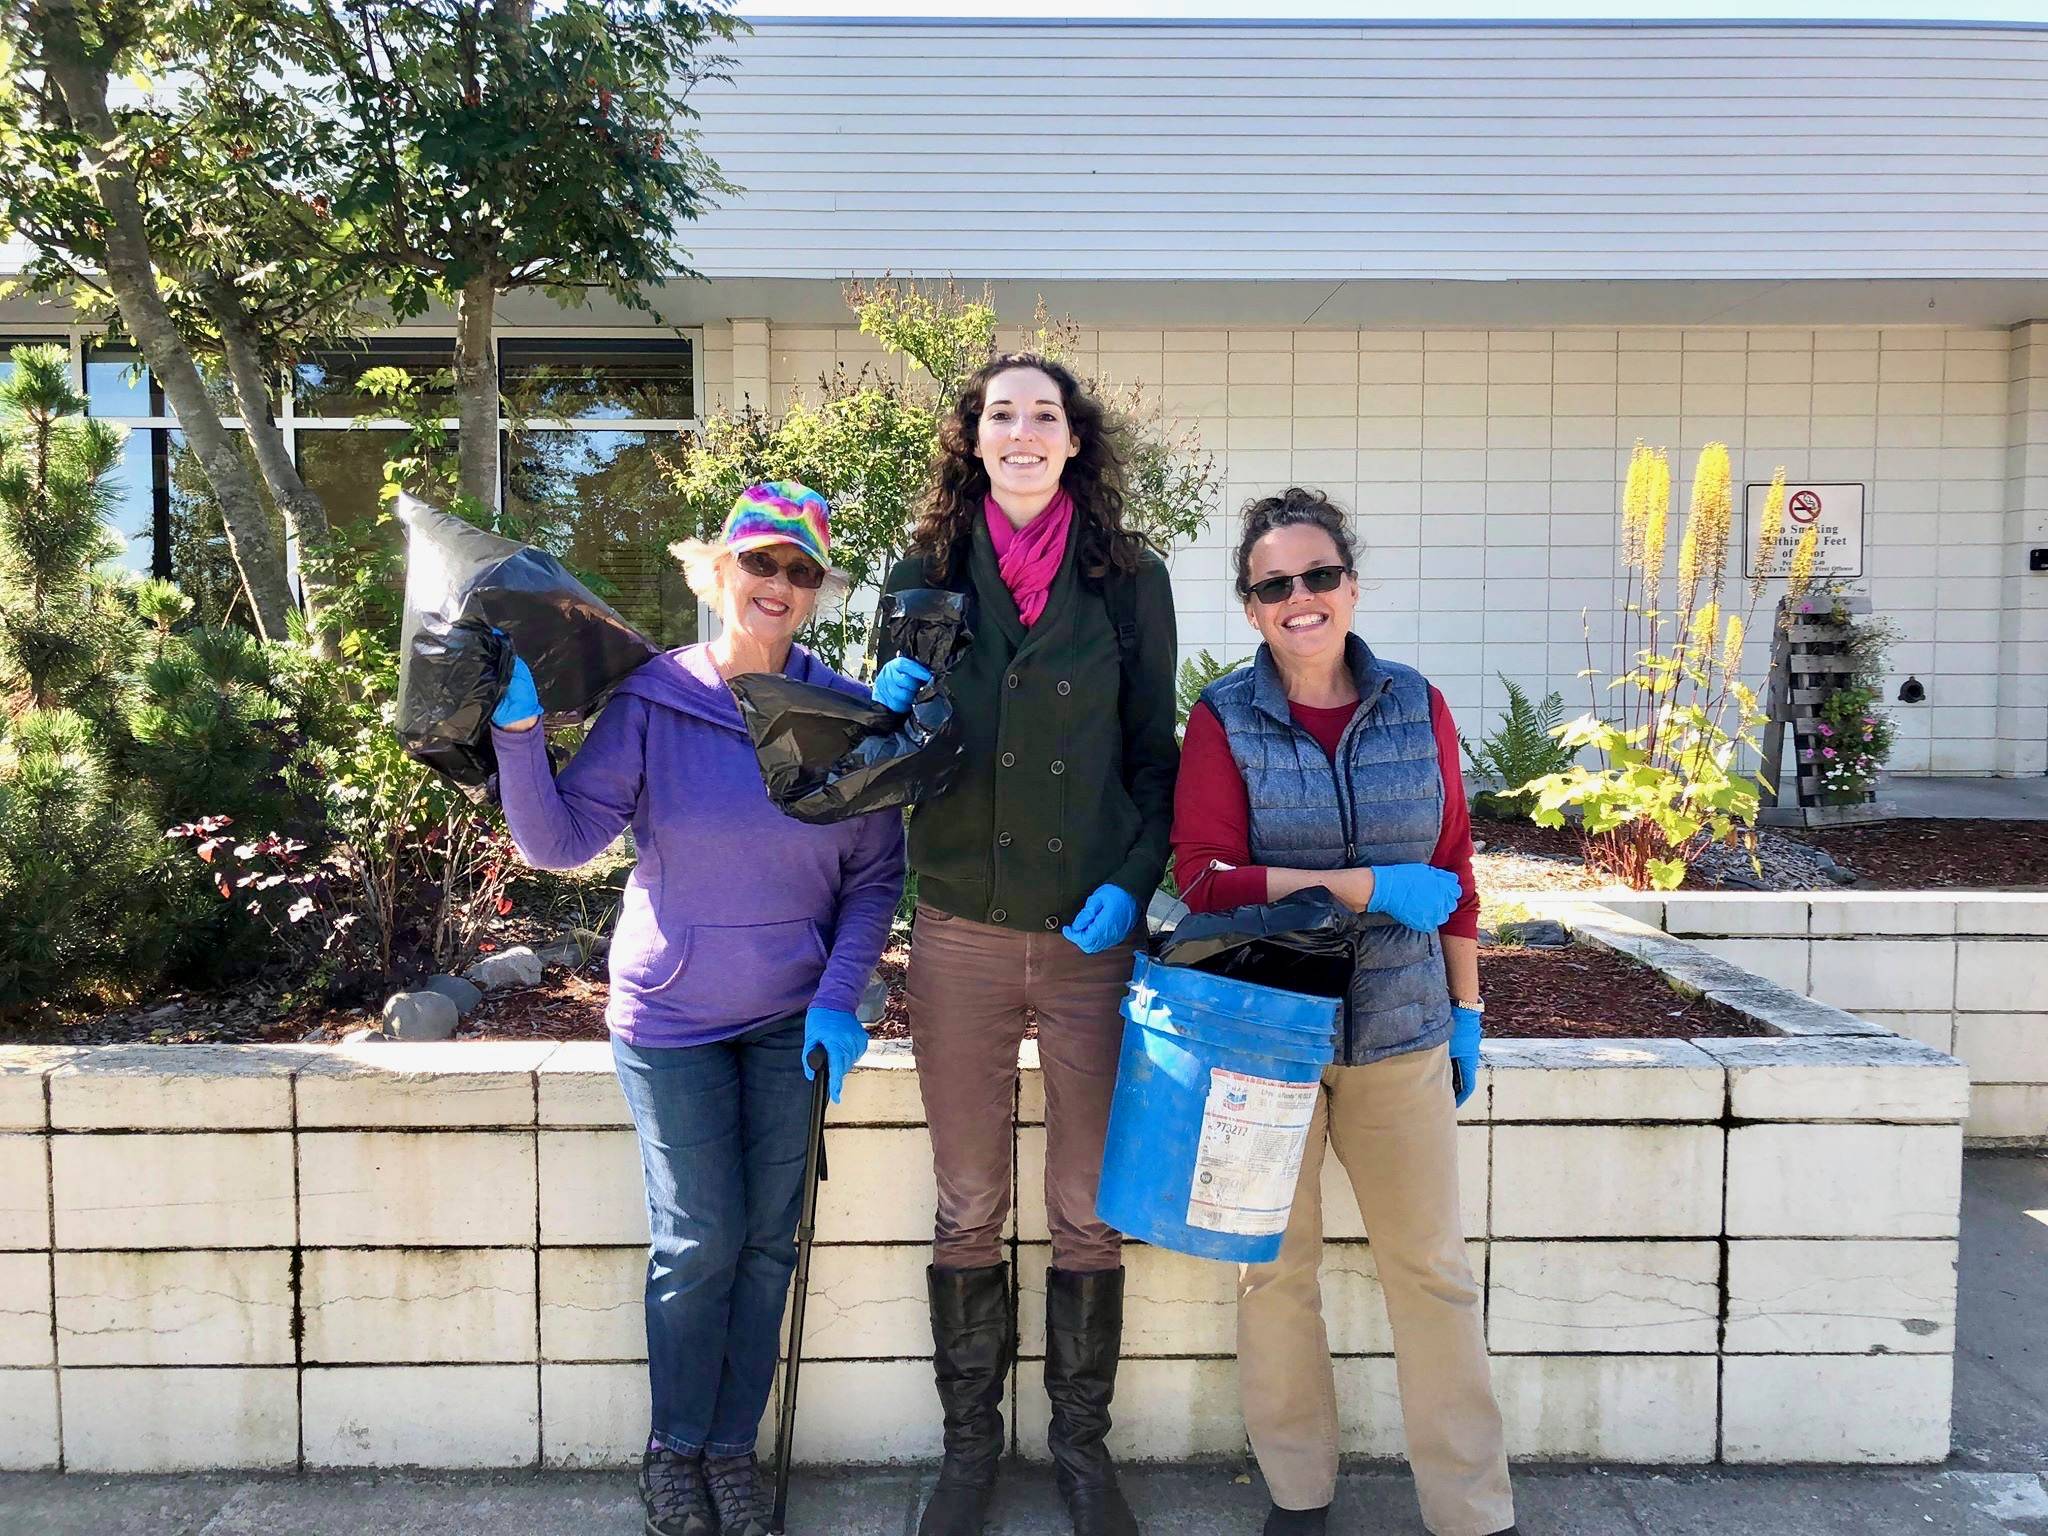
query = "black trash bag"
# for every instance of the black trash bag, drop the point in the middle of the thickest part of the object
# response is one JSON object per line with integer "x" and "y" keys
{"x": 826, "y": 756}
{"x": 461, "y": 585}
{"x": 1306, "y": 942}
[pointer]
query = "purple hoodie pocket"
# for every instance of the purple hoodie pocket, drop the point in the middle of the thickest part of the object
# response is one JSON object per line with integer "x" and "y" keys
{"x": 749, "y": 970}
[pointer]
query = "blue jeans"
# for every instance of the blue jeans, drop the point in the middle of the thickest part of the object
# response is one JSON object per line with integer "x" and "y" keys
{"x": 722, "y": 1139}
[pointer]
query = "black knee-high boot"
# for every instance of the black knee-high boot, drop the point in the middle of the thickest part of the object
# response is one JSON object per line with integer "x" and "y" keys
{"x": 1084, "y": 1325}
{"x": 974, "y": 1335}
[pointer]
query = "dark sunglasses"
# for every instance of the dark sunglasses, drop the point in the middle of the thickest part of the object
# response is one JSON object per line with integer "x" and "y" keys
{"x": 1277, "y": 589}
{"x": 804, "y": 573}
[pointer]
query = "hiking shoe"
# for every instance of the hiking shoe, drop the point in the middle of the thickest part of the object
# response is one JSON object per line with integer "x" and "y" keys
{"x": 674, "y": 1495}
{"x": 736, "y": 1494}
{"x": 1297, "y": 1522}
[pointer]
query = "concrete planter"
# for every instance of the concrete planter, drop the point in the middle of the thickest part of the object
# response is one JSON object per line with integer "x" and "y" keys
{"x": 279, "y": 1257}
{"x": 1964, "y": 971}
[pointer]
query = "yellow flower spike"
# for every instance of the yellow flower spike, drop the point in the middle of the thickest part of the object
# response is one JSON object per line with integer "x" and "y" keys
{"x": 1656, "y": 530}
{"x": 1769, "y": 530}
{"x": 1635, "y": 501}
{"x": 1800, "y": 576}
{"x": 1712, "y": 512}
{"x": 1731, "y": 648}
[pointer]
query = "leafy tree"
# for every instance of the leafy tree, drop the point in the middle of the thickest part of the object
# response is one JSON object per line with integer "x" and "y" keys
{"x": 78, "y": 180}
{"x": 488, "y": 146}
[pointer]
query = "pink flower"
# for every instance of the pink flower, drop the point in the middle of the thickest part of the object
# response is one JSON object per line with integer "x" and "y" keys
{"x": 1826, "y": 729}
{"x": 1827, "y": 751}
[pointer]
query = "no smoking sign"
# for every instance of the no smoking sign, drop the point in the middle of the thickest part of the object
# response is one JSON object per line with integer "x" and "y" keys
{"x": 1835, "y": 509}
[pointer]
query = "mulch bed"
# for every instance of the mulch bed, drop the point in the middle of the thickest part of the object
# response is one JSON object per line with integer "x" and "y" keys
{"x": 1575, "y": 992}
{"x": 1939, "y": 855}
{"x": 1557, "y": 992}
{"x": 1900, "y": 855}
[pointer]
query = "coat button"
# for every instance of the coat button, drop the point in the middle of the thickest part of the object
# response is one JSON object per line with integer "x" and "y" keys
{"x": 1052, "y": 924}
{"x": 1058, "y": 767}
{"x": 1064, "y": 688}
{"x": 1009, "y": 759}
{"x": 1055, "y": 845}
{"x": 1002, "y": 839}
{"x": 997, "y": 914}
{"x": 1012, "y": 679}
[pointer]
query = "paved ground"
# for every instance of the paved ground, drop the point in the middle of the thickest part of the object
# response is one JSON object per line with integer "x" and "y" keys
{"x": 1993, "y": 1486}
{"x": 2009, "y": 799}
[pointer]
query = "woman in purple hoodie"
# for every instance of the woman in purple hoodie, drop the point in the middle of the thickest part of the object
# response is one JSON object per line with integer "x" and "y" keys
{"x": 745, "y": 940}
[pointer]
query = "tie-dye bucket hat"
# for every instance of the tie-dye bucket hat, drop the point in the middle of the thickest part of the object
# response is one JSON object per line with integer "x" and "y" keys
{"x": 780, "y": 512}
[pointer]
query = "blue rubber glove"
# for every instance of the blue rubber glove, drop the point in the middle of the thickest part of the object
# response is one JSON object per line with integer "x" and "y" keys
{"x": 1418, "y": 896}
{"x": 845, "y": 1042}
{"x": 1467, "y": 1025}
{"x": 897, "y": 683}
{"x": 1104, "y": 919}
{"x": 520, "y": 700}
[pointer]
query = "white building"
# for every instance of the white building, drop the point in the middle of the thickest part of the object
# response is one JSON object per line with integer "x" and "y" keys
{"x": 1450, "y": 274}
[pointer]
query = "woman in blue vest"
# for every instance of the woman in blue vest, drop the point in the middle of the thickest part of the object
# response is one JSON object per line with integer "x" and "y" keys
{"x": 1322, "y": 764}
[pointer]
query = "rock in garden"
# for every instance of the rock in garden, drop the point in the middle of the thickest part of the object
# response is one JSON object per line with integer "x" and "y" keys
{"x": 462, "y": 994}
{"x": 419, "y": 1016}
{"x": 357, "y": 1036}
{"x": 514, "y": 967}
{"x": 1542, "y": 932}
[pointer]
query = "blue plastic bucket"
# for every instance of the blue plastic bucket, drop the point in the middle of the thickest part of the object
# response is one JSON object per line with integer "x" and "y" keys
{"x": 1214, "y": 1091}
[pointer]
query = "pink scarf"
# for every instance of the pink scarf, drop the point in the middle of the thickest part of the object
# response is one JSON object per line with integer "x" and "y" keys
{"x": 1029, "y": 557}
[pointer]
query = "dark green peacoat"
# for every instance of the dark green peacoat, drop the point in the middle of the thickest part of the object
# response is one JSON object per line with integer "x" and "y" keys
{"x": 1066, "y": 782}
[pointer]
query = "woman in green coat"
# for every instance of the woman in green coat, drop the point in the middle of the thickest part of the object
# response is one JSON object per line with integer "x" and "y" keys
{"x": 1034, "y": 870}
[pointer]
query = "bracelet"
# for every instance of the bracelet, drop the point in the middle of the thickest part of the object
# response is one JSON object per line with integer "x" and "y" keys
{"x": 1478, "y": 1007}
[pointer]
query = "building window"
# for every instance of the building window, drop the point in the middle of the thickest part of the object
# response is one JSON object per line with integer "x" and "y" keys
{"x": 588, "y": 423}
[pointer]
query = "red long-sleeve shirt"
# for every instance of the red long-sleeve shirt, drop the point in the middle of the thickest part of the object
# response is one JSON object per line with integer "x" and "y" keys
{"x": 1212, "y": 814}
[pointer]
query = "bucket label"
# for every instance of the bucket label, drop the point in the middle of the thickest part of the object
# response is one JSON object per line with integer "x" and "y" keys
{"x": 1253, "y": 1133}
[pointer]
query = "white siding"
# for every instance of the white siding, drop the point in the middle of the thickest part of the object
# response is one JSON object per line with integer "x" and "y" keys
{"x": 1049, "y": 152}
{"x": 1484, "y": 472}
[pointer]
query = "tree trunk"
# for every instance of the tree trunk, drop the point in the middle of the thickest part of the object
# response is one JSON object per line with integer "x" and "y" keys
{"x": 81, "y": 80}
{"x": 305, "y": 514}
{"x": 476, "y": 390}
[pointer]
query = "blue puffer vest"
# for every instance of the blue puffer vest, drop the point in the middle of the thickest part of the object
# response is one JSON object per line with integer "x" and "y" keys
{"x": 1381, "y": 802}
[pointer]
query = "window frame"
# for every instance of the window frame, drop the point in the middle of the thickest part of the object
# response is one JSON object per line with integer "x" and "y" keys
{"x": 80, "y": 339}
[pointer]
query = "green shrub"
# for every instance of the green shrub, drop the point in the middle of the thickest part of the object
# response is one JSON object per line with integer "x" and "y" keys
{"x": 1523, "y": 747}
{"x": 1197, "y": 673}
{"x": 79, "y": 868}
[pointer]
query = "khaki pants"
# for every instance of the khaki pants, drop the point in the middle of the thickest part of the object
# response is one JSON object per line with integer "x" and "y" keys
{"x": 971, "y": 988}
{"x": 1394, "y": 1130}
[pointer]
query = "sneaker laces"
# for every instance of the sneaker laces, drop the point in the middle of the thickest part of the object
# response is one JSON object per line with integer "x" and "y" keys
{"x": 674, "y": 1484}
{"x": 734, "y": 1488}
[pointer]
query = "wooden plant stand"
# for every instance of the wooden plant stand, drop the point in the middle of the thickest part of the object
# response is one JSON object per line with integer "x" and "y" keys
{"x": 1807, "y": 658}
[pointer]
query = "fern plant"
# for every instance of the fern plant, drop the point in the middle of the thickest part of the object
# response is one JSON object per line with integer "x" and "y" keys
{"x": 1195, "y": 675}
{"x": 1522, "y": 748}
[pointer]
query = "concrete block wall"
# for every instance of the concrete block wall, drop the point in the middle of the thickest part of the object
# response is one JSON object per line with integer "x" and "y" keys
{"x": 432, "y": 1255}
{"x": 1965, "y": 972}
{"x": 1485, "y": 471}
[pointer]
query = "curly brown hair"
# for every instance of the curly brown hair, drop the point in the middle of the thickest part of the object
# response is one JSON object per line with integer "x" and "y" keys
{"x": 1094, "y": 477}
{"x": 1295, "y": 505}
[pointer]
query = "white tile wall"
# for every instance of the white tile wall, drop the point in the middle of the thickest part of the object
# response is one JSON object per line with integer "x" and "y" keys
{"x": 1484, "y": 470}
{"x": 469, "y": 1296}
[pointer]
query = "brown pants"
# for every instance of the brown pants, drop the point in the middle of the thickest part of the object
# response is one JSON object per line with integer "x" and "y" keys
{"x": 970, "y": 988}
{"x": 1395, "y": 1132}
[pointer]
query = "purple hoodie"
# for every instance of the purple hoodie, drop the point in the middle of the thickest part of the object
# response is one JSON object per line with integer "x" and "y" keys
{"x": 735, "y": 914}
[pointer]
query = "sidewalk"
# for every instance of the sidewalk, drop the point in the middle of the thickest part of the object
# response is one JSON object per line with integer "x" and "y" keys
{"x": 1948, "y": 796}
{"x": 1170, "y": 1502}
{"x": 1992, "y": 1486}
